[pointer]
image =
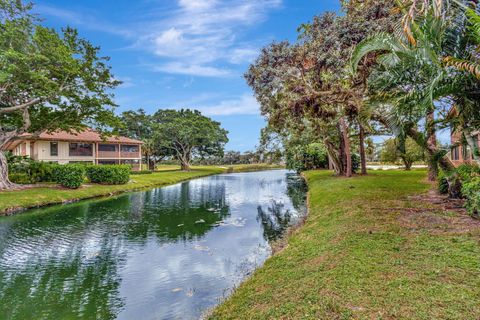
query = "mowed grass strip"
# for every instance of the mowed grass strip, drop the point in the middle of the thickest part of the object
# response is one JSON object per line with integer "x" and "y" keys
{"x": 53, "y": 194}
{"x": 357, "y": 258}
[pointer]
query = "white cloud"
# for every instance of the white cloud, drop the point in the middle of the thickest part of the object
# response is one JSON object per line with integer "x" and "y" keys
{"x": 196, "y": 4}
{"x": 238, "y": 55}
{"x": 189, "y": 37}
{"x": 245, "y": 105}
{"x": 203, "y": 32}
{"x": 193, "y": 69}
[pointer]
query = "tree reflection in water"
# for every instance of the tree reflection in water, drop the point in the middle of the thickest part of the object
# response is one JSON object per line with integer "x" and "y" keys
{"x": 275, "y": 218}
{"x": 66, "y": 259}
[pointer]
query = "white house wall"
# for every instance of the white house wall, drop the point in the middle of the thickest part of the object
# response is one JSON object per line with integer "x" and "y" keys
{"x": 42, "y": 153}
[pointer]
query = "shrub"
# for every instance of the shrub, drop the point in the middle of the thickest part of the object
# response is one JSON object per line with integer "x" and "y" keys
{"x": 69, "y": 175}
{"x": 307, "y": 157}
{"x": 355, "y": 162}
{"x": 467, "y": 172}
{"x": 20, "y": 178}
{"x": 442, "y": 183}
{"x": 109, "y": 174}
{"x": 471, "y": 191}
{"x": 29, "y": 170}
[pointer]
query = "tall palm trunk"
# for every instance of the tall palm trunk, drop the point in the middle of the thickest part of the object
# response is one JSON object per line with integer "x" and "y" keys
{"x": 346, "y": 148}
{"x": 363, "y": 159}
{"x": 432, "y": 160}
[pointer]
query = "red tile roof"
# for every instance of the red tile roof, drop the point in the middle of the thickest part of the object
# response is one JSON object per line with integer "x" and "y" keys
{"x": 87, "y": 135}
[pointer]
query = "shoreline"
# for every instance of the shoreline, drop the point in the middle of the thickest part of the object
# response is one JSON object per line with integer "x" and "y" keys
{"x": 343, "y": 262}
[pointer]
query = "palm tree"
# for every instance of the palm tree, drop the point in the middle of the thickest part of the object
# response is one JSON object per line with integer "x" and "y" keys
{"x": 413, "y": 74}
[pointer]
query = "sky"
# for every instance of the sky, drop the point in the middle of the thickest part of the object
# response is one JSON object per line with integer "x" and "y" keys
{"x": 186, "y": 53}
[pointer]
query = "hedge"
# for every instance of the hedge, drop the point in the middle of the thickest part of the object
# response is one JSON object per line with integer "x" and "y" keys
{"x": 20, "y": 178}
{"x": 24, "y": 170}
{"x": 109, "y": 174}
{"x": 69, "y": 175}
{"x": 468, "y": 177}
{"x": 471, "y": 192}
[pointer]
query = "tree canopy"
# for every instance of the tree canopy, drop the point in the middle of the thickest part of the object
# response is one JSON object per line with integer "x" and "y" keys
{"x": 49, "y": 80}
{"x": 307, "y": 85}
{"x": 186, "y": 133}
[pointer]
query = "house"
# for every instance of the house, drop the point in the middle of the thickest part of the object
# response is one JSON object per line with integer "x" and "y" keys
{"x": 86, "y": 146}
{"x": 460, "y": 152}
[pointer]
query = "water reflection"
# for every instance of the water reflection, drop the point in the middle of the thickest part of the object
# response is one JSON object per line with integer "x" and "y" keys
{"x": 166, "y": 253}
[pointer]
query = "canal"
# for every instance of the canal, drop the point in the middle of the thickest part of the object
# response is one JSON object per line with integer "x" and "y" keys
{"x": 166, "y": 253}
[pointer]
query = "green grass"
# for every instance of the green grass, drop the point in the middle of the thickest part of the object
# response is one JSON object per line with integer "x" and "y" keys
{"x": 52, "y": 194}
{"x": 362, "y": 254}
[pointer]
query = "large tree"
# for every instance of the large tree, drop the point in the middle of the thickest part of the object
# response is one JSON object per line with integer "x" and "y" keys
{"x": 186, "y": 133}
{"x": 407, "y": 150}
{"x": 48, "y": 80}
{"x": 307, "y": 85}
{"x": 139, "y": 125}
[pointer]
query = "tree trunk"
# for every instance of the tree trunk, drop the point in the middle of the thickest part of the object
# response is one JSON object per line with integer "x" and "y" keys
{"x": 185, "y": 165}
{"x": 346, "y": 143}
{"x": 5, "y": 183}
{"x": 151, "y": 165}
{"x": 363, "y": 159}
{"x": 185, "y": 161}
{"x": 334, "y": 159}
{"x": 431, "y": 141}
{"x": 408, "y": 164}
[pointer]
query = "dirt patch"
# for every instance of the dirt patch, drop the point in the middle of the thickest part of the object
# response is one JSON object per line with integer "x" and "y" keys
{"x": 436, "y": 213}
{"x": 440, "y": 201}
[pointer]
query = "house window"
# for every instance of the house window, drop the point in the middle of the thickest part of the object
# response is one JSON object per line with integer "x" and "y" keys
{"x": 107, "y": 147}
{"x": 465, "y": 152}
{"x": 130, "y": 161}
{"x": 129, "y": 148}
{"x": 108, "y": 161}
{"x": 81, "y": 150}
{"x": 53, "y": 148}
{"x": 455, "y": 153}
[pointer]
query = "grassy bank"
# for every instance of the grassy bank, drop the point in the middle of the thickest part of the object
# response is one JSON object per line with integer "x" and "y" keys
{"x": 368, "y": 250}
{"x": 11, "y": 201}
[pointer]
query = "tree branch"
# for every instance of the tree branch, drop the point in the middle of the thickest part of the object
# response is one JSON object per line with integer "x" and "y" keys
{"x": 20, "y": 106}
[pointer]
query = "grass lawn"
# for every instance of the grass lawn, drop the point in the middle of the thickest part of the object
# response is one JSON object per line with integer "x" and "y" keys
{"x": 368, "y": 250}
{"x": 51, "y": 194}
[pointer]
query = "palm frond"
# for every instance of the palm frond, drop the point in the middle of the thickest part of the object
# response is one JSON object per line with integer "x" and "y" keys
{"x": 380, "y": 42}
{"x": 469, "y": 66}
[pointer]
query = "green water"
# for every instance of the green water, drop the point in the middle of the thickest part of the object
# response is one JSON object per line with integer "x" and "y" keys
{"x": 166, "y": 253}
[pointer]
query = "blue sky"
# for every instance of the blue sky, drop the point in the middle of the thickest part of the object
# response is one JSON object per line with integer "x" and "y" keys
{"x": 186, "y": 53}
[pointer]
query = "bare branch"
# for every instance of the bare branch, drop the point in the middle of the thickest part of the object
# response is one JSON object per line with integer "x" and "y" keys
{"x": 20, "y": 106}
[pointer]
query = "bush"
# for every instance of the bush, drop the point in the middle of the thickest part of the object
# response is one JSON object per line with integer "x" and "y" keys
{"x": 20, "y": 178}
{"x": 69, "y": 175}
{"x": 442, "y": 183}
{"x": 29, "y": 171}
{"x": 471, "y": 191}
{"x": 109, "y": 174}
{"x": 355, "y": 162}
{"x": 467, "y": 172}
{"x": 307, "y": 157}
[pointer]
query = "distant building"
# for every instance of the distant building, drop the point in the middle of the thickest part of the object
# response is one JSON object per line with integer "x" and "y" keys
{"x": 86, "y": 146}
{"x": 460, "y": 152}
